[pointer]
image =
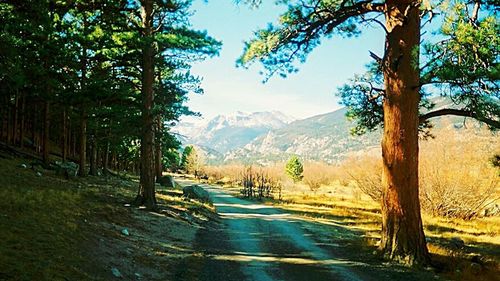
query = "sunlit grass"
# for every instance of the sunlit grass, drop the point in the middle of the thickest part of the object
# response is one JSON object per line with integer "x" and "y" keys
{"x": 481, "y": 235}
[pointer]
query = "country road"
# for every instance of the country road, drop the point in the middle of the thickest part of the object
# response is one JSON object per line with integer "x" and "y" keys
{"x": 260, "y": 242}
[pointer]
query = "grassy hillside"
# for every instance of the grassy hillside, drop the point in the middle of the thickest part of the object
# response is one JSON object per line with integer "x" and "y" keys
{"x": 57, "y": 229}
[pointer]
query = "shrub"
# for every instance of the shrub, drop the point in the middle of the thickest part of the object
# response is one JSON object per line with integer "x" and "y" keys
{"x": 256, "y": 183}
{"x": 456, "y": 178}
{"x": 317, "y": 174}
{"x": 366, "y": 172}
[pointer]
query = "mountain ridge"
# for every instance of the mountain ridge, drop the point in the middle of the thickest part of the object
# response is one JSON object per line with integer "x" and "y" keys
{"x": 325, "y": 137}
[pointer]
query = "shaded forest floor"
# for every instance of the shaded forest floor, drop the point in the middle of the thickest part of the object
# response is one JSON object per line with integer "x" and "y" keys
{"x": 83, "y": 229}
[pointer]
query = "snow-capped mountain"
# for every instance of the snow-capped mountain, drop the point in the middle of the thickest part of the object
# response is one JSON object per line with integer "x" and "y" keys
{"x": 228, "y": 132}
{"x": 266, "y": 137}
{"x": 323, "y": 137}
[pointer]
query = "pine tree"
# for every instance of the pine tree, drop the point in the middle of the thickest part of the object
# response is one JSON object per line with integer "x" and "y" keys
{"x": 397, "y": 100}
{"x": 294, "y": 169}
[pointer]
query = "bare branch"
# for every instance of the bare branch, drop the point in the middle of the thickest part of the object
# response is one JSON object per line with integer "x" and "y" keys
{"x": 460, "y": 112}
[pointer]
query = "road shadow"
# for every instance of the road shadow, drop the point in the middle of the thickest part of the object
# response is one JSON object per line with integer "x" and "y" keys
{"x": 254, "y": 241}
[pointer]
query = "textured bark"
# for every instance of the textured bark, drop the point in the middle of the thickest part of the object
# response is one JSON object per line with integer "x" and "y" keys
{"x": 146, "y": 194}
{"x": 402, "y": 232}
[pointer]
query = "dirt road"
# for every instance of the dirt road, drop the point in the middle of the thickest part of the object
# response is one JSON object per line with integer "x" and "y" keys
{"x": 260, "y": 242}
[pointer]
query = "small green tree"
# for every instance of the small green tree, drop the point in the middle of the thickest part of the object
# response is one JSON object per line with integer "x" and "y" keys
{"x": 294, "y": 169}
{"x": 185, "y": 155}
{"x": 192, "y": 161}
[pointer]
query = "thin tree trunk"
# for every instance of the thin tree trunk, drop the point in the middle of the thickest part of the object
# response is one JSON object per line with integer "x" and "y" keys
{"x": 2, "y": 114}
{"x": 23, "y": 121}
{"x": 64, "y": 135}
{"x": 83, "y": 143}
{"x": 146, "y": 194}
{"x": 158, "y": 154}
{"x": 34, "y": 122}
{"x": 105, "y": 164}
{"x": 16, "y": 119}
{"x": 71, "y": 141}
{"x": 402, "y": 232}
{"x": 9, "y": 122}
{"x": 83, "y": 112}
{"x": 93, "y": 155}
{"x": 46, "y": 132}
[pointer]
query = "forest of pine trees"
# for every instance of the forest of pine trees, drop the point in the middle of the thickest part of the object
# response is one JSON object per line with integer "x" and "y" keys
{"x": 98, "y": 82}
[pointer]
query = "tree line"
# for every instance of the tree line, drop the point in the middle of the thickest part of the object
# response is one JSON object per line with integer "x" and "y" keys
{"x": 98, "y": 82}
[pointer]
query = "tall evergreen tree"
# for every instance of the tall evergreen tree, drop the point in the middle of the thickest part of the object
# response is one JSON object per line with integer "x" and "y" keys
{"x": 397, "y": 102}
{"x": 163, "y": 40}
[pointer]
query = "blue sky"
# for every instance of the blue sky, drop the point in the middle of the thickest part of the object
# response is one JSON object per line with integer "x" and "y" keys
{"x": 309, "y": 92}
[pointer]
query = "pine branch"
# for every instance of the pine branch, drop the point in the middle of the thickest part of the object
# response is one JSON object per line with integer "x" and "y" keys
{"x": 460, "y": 112}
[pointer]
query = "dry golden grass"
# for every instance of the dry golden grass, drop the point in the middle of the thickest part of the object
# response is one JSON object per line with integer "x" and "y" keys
{"x": 457, "y": 178}
{"x": 481, "y": 235}
{"x": 458, "y": 183}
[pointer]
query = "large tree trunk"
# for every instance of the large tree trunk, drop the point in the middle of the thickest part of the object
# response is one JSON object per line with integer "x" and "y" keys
{"x": 146, "y": 194}
{"x": 402, "y": 232}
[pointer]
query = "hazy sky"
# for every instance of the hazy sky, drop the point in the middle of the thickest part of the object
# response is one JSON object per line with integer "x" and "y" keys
{"x": 309, "y": 92}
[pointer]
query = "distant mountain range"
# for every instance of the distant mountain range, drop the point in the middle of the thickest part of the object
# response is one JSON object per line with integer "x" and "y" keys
{"x": 265, "y": 137}
{"x": 227, "y": 132}
{"x": 323, "y": 137}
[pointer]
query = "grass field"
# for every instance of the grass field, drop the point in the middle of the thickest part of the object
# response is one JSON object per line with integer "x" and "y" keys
{"x": 477, "y": 259}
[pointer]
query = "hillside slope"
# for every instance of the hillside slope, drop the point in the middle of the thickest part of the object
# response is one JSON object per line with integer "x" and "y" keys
{"x": 323, "y": 137}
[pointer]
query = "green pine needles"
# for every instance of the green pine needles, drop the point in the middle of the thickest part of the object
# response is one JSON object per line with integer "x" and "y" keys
{"x": 294, "y": 169}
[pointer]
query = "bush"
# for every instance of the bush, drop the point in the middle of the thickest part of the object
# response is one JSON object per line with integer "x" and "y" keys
{"x": 256, "y": 183}
{"x": 366, "y": 172}
{"x": 456, "y": 178}
{"x": 318, "y": 174}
